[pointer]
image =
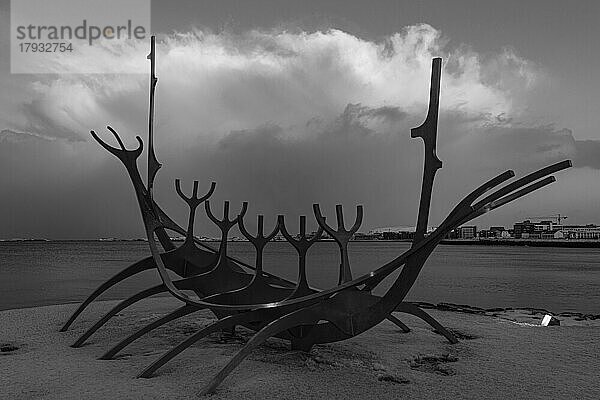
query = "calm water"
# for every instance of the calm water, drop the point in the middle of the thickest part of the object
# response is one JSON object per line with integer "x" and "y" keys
{"x": 557, "y": 279}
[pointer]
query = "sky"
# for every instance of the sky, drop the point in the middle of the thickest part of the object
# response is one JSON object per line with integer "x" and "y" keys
{"x": 288, "y": 103}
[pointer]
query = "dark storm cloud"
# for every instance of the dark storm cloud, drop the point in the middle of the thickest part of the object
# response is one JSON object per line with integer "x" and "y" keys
{"x": 588, "y": 153}
{"x": 354, "y": 162}
{"x": 530, "y": 145}
{"x": 342, "y": 161}
{"x": 348, "y": 160}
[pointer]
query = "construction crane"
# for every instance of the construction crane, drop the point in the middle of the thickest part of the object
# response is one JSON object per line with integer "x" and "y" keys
{"x": 557, "y": 217}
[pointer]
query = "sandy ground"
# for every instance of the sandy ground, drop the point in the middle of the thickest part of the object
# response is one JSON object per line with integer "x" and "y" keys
{"x": 501, "y": 356}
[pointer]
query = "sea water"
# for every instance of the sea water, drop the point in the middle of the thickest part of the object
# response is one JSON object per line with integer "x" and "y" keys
{"x": 557, "y": 279}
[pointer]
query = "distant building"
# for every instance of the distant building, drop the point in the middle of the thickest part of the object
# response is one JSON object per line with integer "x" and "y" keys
{"x": 453, "y": 234}
{"x": 397, "y": 235}
{"x": 495, "y": 232}
{"x": 279, "y": 238}
{"x": 550, "y": 230}
{"x": 467, "y": 232}
{"x": 396, "y": 232}
{"x": 523, "y": 229}
{"x": 363, "y": 236}
{"x": 505, "y": 235}
{"x": 590, "y": 231}
{"x": 533, "y": 230}
{"x": 310, "y": 235}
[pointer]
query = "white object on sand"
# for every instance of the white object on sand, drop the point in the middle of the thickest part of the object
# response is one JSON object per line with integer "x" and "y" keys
{"x": 549, "y": 320}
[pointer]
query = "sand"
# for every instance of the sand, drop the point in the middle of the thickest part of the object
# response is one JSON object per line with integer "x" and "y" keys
{"x": 502, "y": 355}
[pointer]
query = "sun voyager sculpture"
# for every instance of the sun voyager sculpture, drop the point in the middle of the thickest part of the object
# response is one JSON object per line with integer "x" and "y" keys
{"x": 240, "y": 294}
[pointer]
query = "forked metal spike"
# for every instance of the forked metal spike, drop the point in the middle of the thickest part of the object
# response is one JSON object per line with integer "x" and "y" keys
{"x": 302, "y": 244}
{"x": 193, "y": 202}
{"x": 126, "y": 156}
{"x": 259, "y": 241}
{"x": 225, "y": 223}
{"x": 341, "y": 236}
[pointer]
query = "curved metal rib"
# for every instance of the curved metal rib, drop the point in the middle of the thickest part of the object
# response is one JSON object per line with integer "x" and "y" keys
{"x": 133, "y": 269}
{"x": 294, "y": 319}
{"x": 513, "y": 196}
{"x": 180, "y": 312}
{"x": 398, "y": 323}
{"x": 523, "y": 181}
{"x": 412, "y": 309}
{"x": 119, "y": 307}
{"x": 224, "y": 323}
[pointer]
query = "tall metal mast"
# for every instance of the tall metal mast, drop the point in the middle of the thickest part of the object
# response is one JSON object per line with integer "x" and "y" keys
{"x": 428, "y": 132}
{"x": 153, "y": 164}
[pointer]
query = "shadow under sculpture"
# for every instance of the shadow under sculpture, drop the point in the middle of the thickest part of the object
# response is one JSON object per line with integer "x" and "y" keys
{"x": 239, "y": 294}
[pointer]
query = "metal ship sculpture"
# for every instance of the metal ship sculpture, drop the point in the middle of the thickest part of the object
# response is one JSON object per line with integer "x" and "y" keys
{"x": 240, "y": 294}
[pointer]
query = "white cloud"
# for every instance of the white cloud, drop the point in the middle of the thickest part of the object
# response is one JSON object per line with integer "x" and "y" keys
{"x": 211, "y": 84}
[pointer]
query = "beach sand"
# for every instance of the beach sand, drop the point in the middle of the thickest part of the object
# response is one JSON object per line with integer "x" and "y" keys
{"x": 502, "y": 355}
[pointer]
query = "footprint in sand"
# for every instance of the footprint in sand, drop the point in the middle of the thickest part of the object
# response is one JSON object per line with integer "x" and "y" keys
{"x": 7, "y": 348}
{"x": 434, "y": 364}
{"x": 384, "y": 376}
{"x": 460, "y": 335}
{"x": 124, "y": 356}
